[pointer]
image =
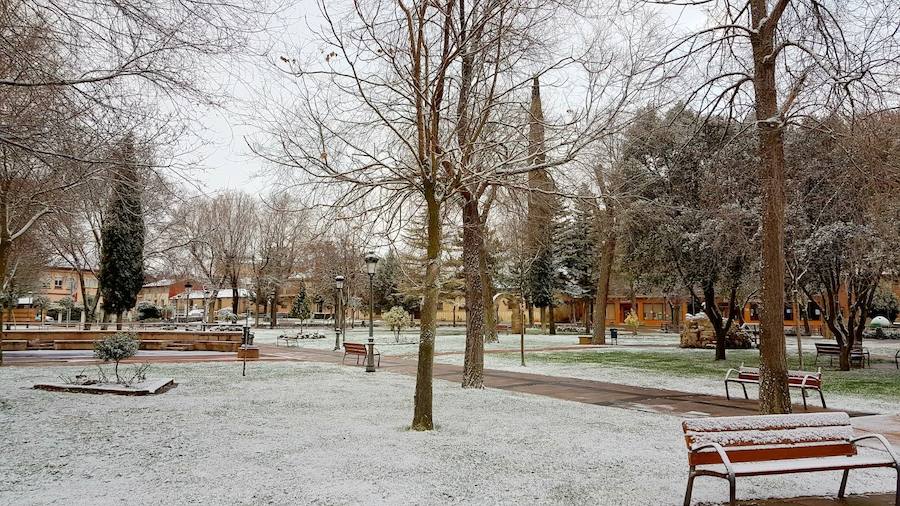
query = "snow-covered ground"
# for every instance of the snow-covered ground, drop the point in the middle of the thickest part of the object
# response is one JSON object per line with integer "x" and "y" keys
{"x": 452, "y": 339}
{"x": 654, "y": 379}
{"x": 299, "y": 433}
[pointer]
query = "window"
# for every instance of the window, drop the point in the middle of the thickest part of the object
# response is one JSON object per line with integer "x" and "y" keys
{"x": 788, "y": 312}
{"x": 440, "y": 306}
{"x": 57, "y": 284}
{"x": 653, "y": 311}
{"x": 813, "y": 311}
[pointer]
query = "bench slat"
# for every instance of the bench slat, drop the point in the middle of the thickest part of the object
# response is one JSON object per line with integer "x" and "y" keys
{"x": 761, "y": 454}
{"x": 815, "y": 463}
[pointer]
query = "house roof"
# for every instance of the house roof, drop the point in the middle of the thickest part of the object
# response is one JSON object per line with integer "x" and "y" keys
{"x": 160, "y": 283}
{"x": 224, "y": 293}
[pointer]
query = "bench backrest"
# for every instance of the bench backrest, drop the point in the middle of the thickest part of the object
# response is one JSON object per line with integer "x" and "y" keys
{"x": 354, "y": 348}
{"x": 769, "y": 437}
{"x": 813, "y": 379}
{"x": 831, "y": 347}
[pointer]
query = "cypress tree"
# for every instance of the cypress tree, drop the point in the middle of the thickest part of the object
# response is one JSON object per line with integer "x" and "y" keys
{"x": 300, "y": 309}
{"x": 122, "y": 248}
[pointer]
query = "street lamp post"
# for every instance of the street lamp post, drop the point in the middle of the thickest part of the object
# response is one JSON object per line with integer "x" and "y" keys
{"x": 338, "y": 299}
{"x": 371, "y": 262}
{"x": 272, "y": 310}
{"x": 187, "y": 299}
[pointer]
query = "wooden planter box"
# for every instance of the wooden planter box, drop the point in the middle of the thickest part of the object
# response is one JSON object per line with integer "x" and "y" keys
{"x": 584, "y": 339}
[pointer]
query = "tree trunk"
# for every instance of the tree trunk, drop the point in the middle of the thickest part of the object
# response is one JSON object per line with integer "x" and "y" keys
{"x": 273, "y": 310}
{"x": 473, "y": 362}
{"x": 235, "y": 293}
{"x": 490, "y": 311}
{"x": 607, "y": 251}
{"x": 586, "y": 307}
{"x": 543, "y": 316}
{"x": 422, "y": 413}
{"x": 4, "y": 261}
{"x": 530, "y": 314}
{"x": 118, "y": 323}
{"x": 551, "y": 318}
{"x": 773, "y": 388}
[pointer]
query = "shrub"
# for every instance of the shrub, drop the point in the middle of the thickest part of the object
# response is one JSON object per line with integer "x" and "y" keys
{"x": 632, "y": 322}
{"x": 397, "y": 318}
{"x": 147, "y": 310}
{"x": 116, "y": 348}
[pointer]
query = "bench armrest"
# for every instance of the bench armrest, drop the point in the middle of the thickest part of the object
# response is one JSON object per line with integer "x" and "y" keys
{"x": 732, "y": 370}
{"x": 722, "y": 455}
{"x": 884, "y": 442}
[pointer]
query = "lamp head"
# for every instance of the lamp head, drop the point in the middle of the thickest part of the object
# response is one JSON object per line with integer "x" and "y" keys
{"x": 339, "y": 282}
{"x": 371, "y": 262}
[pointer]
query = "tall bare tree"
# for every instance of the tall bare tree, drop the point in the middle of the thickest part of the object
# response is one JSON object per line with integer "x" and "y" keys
{"x": 798, "y": 56}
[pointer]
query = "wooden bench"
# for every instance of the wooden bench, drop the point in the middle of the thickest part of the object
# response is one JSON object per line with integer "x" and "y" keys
{"x": 359, "y": 350}
{"x": 804, "y": 380}
{"x": 288, "y": 339}
{"x": 834, "y": 350}
{"x": 731, "y": 447}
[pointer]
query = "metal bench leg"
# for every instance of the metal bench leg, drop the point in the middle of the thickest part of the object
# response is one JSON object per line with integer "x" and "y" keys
{"x": 690, "y": 488}
{"x": 343, "y": 358}
{"x": 727, "y": 394}
{"x": 843, "y": 489}
{"x": 745, "y": 391}
{"x": 803, "y": 394}
{"x": 732, "y": 493}
{"x": 897, "y": 493}
{"x": 822, "y": 397}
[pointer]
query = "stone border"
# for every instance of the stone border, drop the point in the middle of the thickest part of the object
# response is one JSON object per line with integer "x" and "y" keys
{"x": 149, "y": 387}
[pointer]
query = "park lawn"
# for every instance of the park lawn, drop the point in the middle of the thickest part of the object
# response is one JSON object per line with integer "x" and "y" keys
{"x": 880, "y": 382}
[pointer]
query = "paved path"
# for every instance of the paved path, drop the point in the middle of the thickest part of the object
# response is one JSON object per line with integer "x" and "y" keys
{"x": 571, "y": 389}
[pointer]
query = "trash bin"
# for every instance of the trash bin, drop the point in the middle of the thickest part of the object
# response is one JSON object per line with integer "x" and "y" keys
{"x": 614, "y": 335}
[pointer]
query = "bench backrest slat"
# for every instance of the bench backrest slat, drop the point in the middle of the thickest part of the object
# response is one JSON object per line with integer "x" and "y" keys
{"x": 813, "y": 379}
{"x": 354, "y": 347}
{"x": 769, "y": 437}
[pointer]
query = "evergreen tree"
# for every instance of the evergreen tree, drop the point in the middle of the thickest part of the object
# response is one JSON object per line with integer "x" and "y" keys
{"x": 300, "y": 308}
{"x": 122, "y": 251}
{"x": 386, "y": 284}
{"x": 579, "y": 251}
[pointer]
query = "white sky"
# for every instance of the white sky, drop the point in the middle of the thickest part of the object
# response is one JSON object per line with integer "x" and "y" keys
{"x": 226, "y": 160}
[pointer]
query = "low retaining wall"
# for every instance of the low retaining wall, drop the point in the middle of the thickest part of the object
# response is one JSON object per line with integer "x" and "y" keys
{"x": 150, "y": 340}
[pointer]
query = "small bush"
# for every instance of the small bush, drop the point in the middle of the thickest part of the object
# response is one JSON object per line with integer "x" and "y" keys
{"x": 398, "y": 319}
{"x": 116, "y": 348}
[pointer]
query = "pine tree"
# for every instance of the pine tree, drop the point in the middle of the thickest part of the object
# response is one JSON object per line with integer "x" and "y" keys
{"x": 300, "y": 308}
{"x": 579, "y": 251}
{"x": 122, "y": 251}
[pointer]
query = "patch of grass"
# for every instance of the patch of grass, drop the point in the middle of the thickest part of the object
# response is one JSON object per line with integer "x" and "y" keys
{"x": 883, "y": 383}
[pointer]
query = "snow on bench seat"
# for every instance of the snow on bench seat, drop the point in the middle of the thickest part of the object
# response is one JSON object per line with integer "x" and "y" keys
{"x": 771, "y": 437}
{"x": 809, "y": 465}
{"x": 766, "y": 422}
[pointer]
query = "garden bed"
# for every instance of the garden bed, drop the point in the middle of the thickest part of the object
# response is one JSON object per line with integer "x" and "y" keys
{"x": 146, "y": 387}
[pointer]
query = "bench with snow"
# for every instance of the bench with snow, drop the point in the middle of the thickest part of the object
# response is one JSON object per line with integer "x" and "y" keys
{"x": 760, "y": 445}
{"x": 287, "y": 338}
{"x": 857, "y": 353}
{"x": 803, "y": 380}
{"x": 359, "y": 350}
